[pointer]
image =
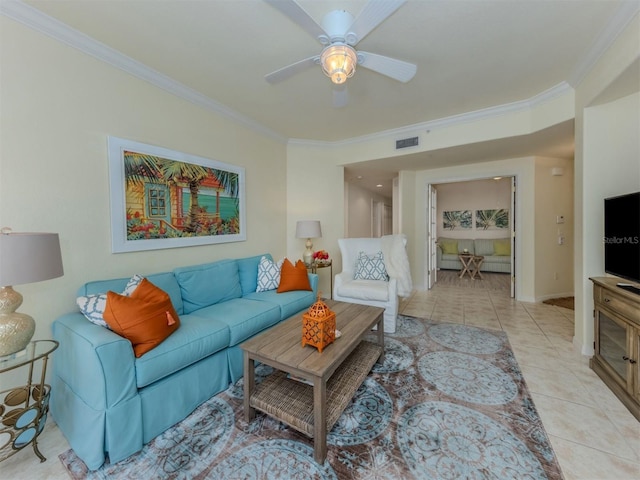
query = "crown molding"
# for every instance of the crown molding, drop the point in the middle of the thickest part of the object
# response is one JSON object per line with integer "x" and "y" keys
{"x": 36, "y": 20}
{"x": 552, "y": 93}
{"x": 621, "y": 18}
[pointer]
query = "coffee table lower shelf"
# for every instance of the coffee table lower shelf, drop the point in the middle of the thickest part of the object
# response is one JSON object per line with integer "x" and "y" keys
{"x": 291, "y": 401}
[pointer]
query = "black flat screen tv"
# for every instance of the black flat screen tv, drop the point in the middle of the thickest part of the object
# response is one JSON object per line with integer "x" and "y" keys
{"x": 622, "y": 236}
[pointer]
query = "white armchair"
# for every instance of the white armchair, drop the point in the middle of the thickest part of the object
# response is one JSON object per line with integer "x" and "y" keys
{"x": 378, "y": 293}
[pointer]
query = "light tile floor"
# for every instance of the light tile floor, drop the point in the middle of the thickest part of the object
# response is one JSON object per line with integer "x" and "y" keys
{"x": 593, "y": 434}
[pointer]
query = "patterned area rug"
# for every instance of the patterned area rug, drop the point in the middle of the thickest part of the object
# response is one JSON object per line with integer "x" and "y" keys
{"x": 449, "y": 402}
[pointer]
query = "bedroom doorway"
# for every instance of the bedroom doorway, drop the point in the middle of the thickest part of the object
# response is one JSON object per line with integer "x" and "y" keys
{"x": 476, "y": 213}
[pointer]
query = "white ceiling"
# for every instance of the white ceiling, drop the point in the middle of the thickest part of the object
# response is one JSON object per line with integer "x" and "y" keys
{"x": 471, "y": 55}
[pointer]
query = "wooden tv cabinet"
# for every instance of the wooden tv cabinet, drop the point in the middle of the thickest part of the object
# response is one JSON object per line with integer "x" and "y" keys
{"x": 617, "y": 340}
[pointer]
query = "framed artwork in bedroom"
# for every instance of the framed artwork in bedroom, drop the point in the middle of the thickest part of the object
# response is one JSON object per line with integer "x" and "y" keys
{"x": 457, "y": 219}
{"x": 161, "y": 198}
{"x": 496, "y": 219}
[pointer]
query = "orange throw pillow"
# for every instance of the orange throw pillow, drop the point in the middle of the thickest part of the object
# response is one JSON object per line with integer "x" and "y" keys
{"x": 145, "y": 318}
{"x": 293, "y": 278}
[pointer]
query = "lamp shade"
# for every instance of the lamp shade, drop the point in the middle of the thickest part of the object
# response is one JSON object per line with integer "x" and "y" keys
{"x": 29, "y": 257}
{"x": 308, "y": 229}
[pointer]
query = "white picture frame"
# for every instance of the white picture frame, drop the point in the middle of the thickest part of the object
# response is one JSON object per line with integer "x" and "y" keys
{"x": 162, "y": 198}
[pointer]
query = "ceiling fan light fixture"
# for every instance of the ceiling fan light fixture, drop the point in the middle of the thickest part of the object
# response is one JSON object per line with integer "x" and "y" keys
{"x": 339, "y": 62}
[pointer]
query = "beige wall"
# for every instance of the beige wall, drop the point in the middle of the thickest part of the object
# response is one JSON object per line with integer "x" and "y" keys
{"x": 58, "y": 107}
{"x": 361, "y": 211}
{"x": 524, "y": 171}
{"x": 315, "y": 191}
{"x": 611, "y": 166}
{"x": 327, "y": 199}
{"x": 606, "y": 161}
{"x": 553, "y": 198}
{"x": 474, "y": 195}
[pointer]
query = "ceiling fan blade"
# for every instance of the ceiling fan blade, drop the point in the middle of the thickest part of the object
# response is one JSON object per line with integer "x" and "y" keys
{"x": 291, "y": 70}
{"x": 391, "y": 67}
{"x": 299, "y": 16}
{"x": 340, "y": 96}
{"x": 372, "y": 15}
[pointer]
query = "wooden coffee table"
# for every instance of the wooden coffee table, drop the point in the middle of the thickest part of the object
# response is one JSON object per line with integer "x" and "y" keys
{"x": 333, "y": 376}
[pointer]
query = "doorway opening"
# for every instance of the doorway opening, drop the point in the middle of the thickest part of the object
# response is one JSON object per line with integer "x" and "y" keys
{"x": 471, "y": 233}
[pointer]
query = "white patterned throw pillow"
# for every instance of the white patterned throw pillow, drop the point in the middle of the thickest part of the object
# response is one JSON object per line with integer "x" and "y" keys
{"x": 93, "y": 306}
{"x": 370, "y": 267}
{"x": 268, "y": 274}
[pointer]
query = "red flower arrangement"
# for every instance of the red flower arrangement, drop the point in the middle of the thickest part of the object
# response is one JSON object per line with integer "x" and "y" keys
{"x": 320, "y": 255}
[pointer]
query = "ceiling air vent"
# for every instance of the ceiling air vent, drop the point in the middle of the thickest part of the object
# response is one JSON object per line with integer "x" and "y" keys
{"x": 406, "y": 142}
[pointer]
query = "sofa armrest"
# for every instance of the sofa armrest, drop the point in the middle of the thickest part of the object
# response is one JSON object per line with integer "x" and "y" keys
{"x": 97, "y": 364}
{"x": 94, "y": 397}
{"x": 313, "y": 281}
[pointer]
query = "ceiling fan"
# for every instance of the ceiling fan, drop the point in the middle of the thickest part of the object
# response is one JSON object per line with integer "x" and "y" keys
{"x": 339, "y": 32}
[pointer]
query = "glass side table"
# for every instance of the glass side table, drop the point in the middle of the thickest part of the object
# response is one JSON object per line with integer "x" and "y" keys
{"x": 323, "y": 264}
{"x": 23, "y": 410}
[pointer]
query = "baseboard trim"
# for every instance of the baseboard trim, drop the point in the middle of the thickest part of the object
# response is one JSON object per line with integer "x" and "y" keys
{"x": 542, "y": 298}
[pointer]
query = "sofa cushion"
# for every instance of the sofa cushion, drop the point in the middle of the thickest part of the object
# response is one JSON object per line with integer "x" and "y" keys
{"x": 293, "y": 277}
{"x": 208, "y": 284}
{"x": 502, "y": 248}
{"x": 370, "y": 267}
{"x": 243, "y": 317}
{"x": 365, "y": 290}
{"x": 448, "y": 247}
{"x": 145, "y": 318}
{"x": 248, "y": 272}
{"x": 197, "y": 338}
{"x": 497, "y": 259}
{"x": 483, "y": 246}
{"x": 288, "y": 302}
{"x": 462, "y": 243}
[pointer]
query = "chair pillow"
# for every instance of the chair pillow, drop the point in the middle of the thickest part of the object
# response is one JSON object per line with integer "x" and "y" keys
{"x": 293, "y": 277}
{"x": 448, "y": 247}
{"x": 145, "y": 318}
{"x": 268, "y": 274}
{"x": 92, "y": 306}
{"x": 370, "y": 267}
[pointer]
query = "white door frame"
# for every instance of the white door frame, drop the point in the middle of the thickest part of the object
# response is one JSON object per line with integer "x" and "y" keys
{"x": 431, "y": 247}
{"x": 431, "y": 236}
{"x": 512, "y": 224}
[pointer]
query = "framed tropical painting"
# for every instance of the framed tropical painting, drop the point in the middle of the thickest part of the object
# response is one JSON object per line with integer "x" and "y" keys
{"x": 492, "y": 219}
{"x": 456, "y": 219}
{"x": 161, "y": 198}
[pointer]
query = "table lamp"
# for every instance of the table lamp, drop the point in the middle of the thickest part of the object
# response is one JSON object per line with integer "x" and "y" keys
{"x": 308, "y": 229}
{"x": 24, "y": 258}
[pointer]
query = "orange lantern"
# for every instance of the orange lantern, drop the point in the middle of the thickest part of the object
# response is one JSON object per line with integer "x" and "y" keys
{"x": 318, "y": 326}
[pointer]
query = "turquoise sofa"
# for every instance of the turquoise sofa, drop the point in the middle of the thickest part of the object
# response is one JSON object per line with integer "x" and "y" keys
{"x": 109, "y": 403}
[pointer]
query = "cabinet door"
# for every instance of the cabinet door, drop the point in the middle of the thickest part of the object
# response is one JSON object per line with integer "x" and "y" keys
{"x": 634, "y": 362}
{"x": 613, "y": 348}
